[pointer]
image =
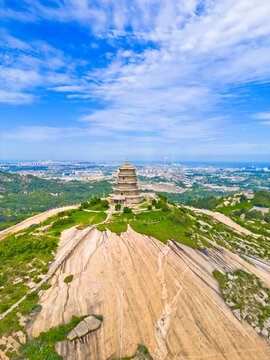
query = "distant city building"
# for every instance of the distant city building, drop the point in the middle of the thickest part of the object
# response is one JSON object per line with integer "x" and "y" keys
{"x": 126, "y": 191}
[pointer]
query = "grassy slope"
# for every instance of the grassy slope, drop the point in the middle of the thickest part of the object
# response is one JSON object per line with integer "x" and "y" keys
{"x": 25, "y": 256}
{"x": 163, "y": 225}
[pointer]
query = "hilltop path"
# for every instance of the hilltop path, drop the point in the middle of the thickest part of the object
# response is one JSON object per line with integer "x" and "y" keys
{"x": 36, "y": 219}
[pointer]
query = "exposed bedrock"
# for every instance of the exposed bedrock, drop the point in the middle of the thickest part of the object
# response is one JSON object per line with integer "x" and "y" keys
{"x": 162, "y": 296}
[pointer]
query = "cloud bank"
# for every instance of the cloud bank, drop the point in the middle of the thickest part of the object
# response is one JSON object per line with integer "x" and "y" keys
{"x": 172, "y": 68}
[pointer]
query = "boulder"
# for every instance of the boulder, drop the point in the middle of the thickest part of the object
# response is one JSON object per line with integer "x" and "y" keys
{"x": 244, "y": 314}
{"x": 71, "y": 335}
{"x": 92, "y": 322}
{"x": 237, "y": 314}
{"x": 81, "y": 329}
{"x": 232, "y": 277}
{"x": 88, "y": 324}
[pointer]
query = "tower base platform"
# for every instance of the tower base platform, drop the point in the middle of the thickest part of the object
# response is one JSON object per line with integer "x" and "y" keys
{"x": 126, "y": 200}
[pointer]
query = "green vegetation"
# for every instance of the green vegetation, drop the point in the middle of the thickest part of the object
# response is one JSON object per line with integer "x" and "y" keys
{"x": 127, "y": 210}
{"x": 196, "y": 193}
{"x": 206, "y": 243}
{"x": 95, "y": 204}
{"x": 68, "y": 279}
{"x": 11, "y": 323}
{"x": 247, "y": 297}
{"x": 205, "y": 203}
{"x": 262, "y": 198}
{"x": 25, "y": 196}
{"x": 142, "y": 353}
{"x": 43, "y": 346}
{"x": 165, "y": 230}
{"x": 118, "y": 207}
{"x": 24, "y": 257}
{"x": 165, "y": 224}
{"x": 45, "y": 287}
{"x": 117, "y": 227}
{"x": 69, "y": 218}
{"x": 240, "y": 210}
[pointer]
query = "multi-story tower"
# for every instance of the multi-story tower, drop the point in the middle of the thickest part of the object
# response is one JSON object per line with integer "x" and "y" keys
{"x": 126, "y": 191}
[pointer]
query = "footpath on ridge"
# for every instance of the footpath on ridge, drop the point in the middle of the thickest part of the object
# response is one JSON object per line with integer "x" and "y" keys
{"x": 36, "y": 219}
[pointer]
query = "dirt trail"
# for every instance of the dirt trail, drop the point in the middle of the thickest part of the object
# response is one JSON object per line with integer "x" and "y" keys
{"x": 224, "y": 219}
{"x": 162, "y": 296}
{"x": 36, "y": 219}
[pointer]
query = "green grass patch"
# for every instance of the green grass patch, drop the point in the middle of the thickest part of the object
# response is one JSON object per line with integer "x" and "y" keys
{"x": 68, "y": 279}
{"x": 45, "y": 286}
{"x": 142, "y": 353}
{"x": 164, "y": 230}
{"x": 206, "y": 243}
{"x": 102, "y": 227}
{"x": 152, "y": 215}
{"x": 117, "y": 227}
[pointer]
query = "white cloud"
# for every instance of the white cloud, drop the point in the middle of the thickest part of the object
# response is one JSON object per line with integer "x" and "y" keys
{"x": 262, "y": 116}
{"x": 25, "y": 66}
{"x": 171, "y": 89}
{"x": 15, "y": 98}
{"x": 42, "y": 133}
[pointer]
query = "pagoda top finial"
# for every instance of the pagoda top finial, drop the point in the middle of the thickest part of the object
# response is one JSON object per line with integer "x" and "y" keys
{"x": 127, "y": 162}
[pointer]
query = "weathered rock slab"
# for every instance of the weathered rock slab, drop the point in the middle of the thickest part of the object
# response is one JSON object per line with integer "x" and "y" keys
{"x": 92, "y": 323}
{"x": 88, "y": 324}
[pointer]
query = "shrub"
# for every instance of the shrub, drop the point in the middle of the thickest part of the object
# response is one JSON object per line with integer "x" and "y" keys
{"x": 44, "y": 270}
{"x": 61, "y": 222}
{"x": 162, "y": 197}
{"x": 105, "y": 204}
{"x": 68, "y": 279}
{"x": 117, "y": 207}
{"x": 127, "y": 210}
{"x": 84, "y": 205}
{"x": 45, "y": 286}
{"x": 35, "y": 309}
{"x": 149, "y": 207}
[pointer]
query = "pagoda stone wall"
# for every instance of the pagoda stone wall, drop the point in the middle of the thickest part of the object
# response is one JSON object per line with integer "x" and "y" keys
{"x": 126, "y": 190}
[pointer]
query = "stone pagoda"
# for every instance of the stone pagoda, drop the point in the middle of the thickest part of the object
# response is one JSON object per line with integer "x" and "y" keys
{"x": 126, "y": 191}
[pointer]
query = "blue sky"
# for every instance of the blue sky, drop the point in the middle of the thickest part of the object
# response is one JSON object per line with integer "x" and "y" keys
{"x": 102, "y": 80}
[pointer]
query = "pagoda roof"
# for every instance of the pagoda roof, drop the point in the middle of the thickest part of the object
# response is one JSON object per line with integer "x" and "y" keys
{"x": 127, "y": 166}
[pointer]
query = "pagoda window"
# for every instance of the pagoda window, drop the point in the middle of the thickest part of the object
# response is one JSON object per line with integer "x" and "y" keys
{"x": 123, "y": 178}
{"x": 122, "y": 194}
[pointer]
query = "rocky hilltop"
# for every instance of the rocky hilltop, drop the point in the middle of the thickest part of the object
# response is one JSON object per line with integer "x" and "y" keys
{"x": 163, "y": 296}
{"x": 134, "y": 295}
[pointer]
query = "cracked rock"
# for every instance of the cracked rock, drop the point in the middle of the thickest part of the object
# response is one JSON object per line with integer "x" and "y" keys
{"x": 88, "y": 324}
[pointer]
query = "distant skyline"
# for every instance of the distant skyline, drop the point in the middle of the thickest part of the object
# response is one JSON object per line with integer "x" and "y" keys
{"x": 105, "y": 80}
